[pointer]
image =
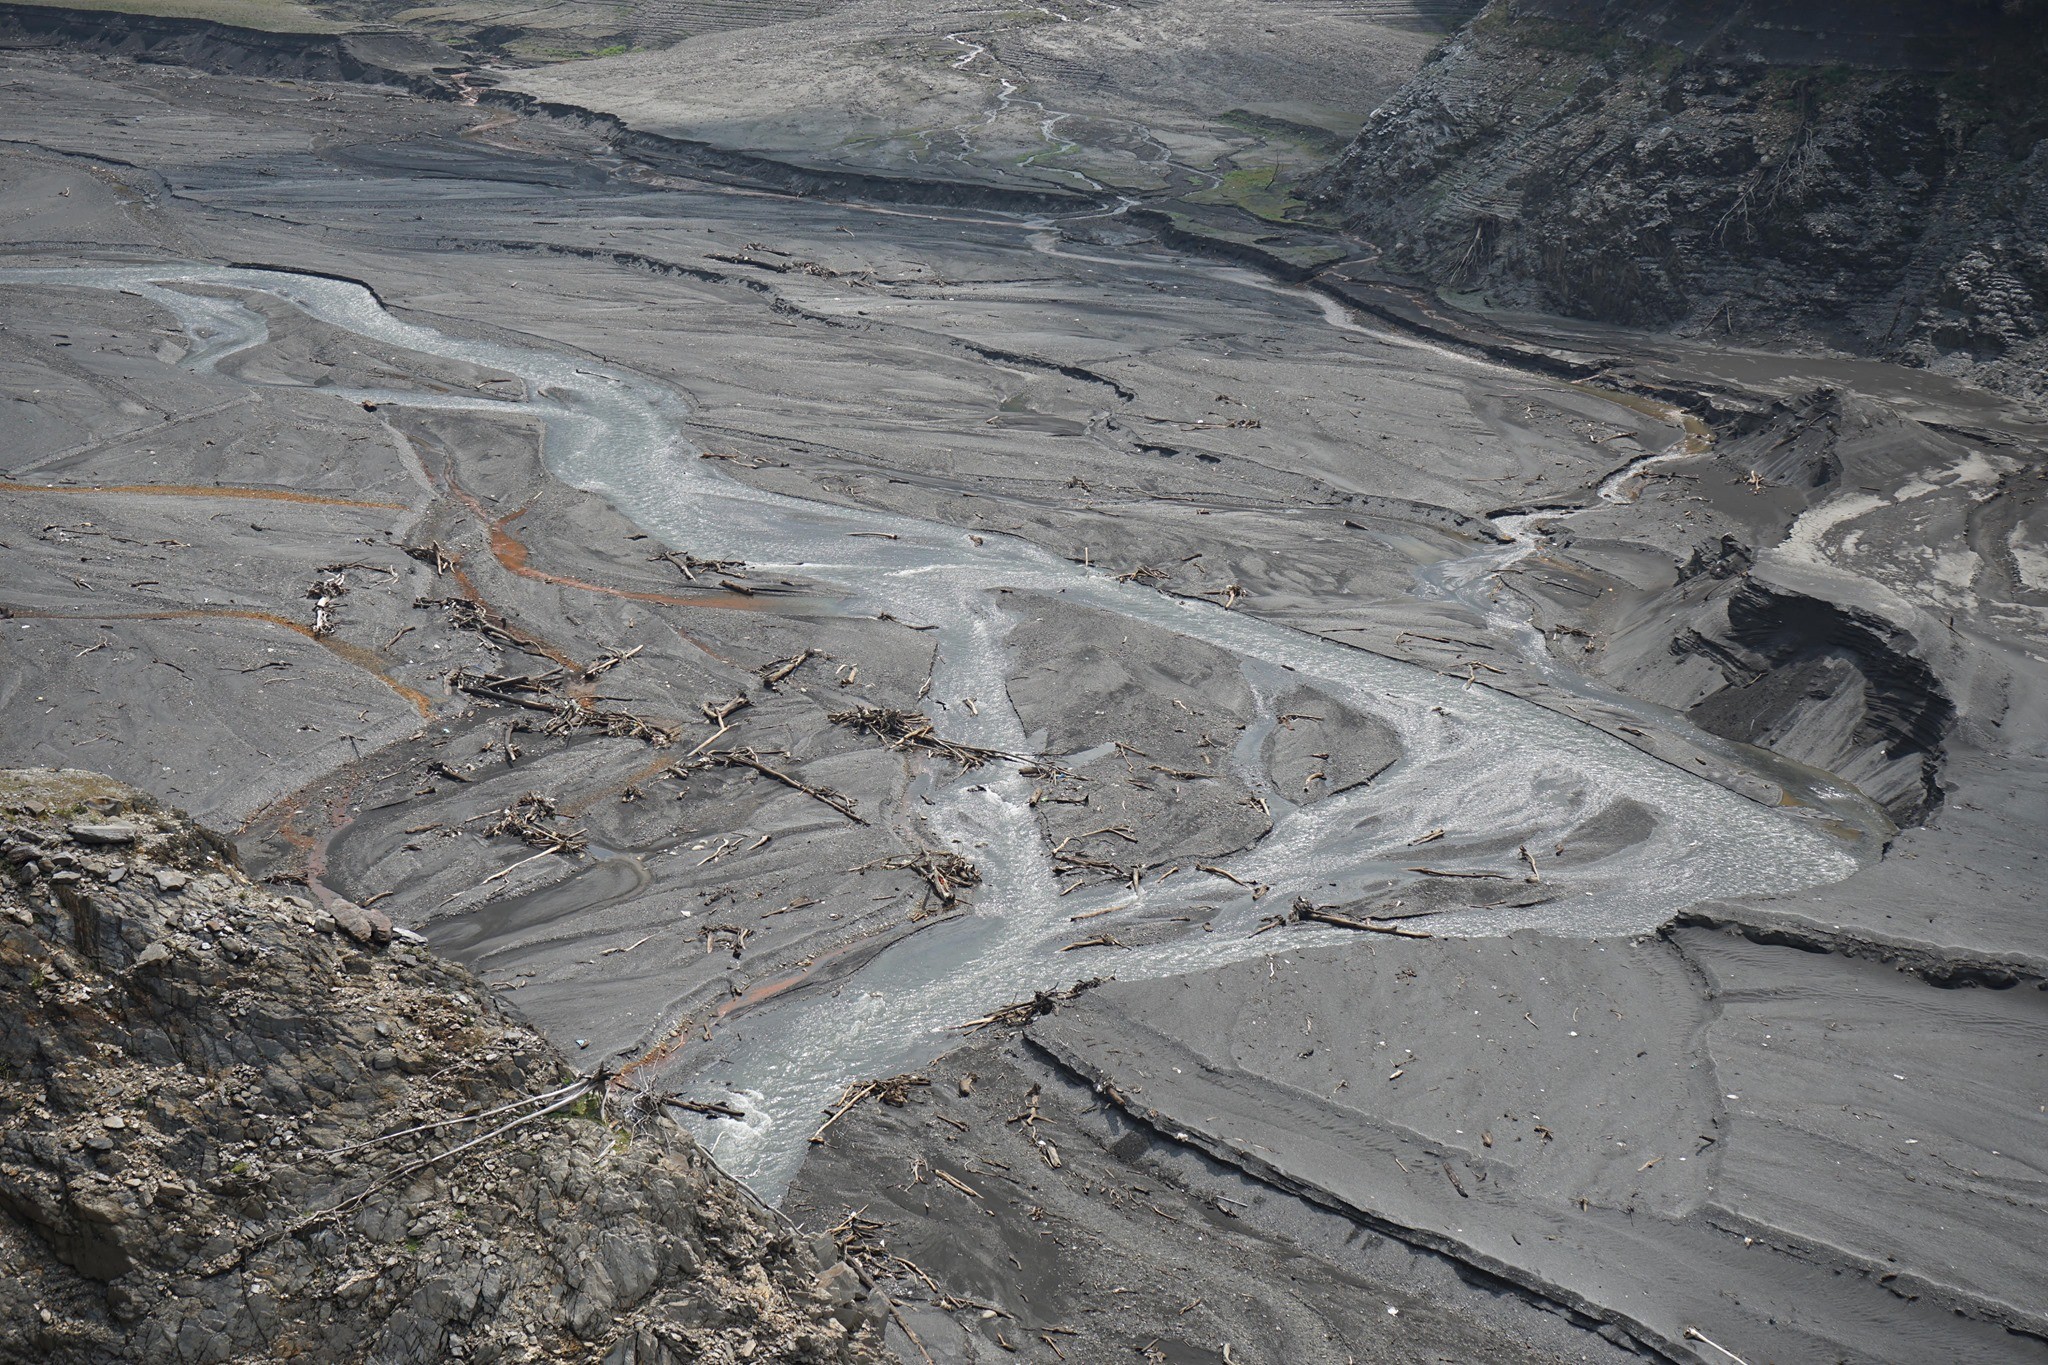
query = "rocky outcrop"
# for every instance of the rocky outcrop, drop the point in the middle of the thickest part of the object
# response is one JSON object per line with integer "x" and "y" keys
{"x": 237, "y": 1126}
{"x": 1867, "y": 176}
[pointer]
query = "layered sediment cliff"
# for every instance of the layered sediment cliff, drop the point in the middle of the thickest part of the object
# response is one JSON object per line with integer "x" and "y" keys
{"x": 1872, "y": 177}
{"x": 238, "y": 1126}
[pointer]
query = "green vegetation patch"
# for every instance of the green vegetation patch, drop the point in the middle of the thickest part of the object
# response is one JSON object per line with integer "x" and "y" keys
{"x": 1259, "y": 191}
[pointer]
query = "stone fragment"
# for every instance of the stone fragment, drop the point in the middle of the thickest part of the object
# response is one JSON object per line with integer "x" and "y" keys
{"x": 170, "y": 879}
{"x": 364, "y": 926}
{"x": 106, "y": 834}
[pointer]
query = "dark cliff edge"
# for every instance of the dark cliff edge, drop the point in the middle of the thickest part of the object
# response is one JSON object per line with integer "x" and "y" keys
{"x": 235, "y": 1125}
{"x": 377, "y": 58}
{"x": 1867, "y": 176}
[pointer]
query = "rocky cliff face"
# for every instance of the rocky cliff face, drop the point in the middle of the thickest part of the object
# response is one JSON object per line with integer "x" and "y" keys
{"x": 236, "y": 1126}
{"x": 1870, "y": 176}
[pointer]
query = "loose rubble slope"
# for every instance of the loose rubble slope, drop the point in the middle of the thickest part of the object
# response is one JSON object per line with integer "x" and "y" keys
{"x": 196, "y": 1075}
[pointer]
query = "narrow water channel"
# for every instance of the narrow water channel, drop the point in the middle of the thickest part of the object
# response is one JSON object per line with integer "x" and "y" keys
{"x": 1490, "y": 770}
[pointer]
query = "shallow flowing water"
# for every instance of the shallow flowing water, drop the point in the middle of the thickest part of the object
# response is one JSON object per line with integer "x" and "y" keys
{"x": 1492, "y": 771}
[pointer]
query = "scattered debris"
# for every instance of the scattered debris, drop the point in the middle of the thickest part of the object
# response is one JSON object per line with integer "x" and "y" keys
{"x": 947, "y": 874}
{"x": 748, "y": 758}
{"x": 895, "y": 1091}
{"x": 913, "y": 730}
{"x": 730, "y": 936}
{"x": 529, "y": 818}
{"x": 1303, "y": 911}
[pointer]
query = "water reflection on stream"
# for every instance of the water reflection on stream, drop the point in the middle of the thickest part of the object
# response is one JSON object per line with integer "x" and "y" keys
{"x": 1492, "y": 771}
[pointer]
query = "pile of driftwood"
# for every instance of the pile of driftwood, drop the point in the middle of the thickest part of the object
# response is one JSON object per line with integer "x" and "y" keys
{"x": 327, "y": 590}
{"x": 566, "y": 715}
{"x": 947, "y": 874}
{"x": 913, "y": 730}
{"x": 689, "y": 564}
{"x": 1081, "y": 865}
{"x": 773, "y": 675}
{"x": 1304, "y": 911}
{"x": 532, "y": 818}
{"x": 467, "y": 614}
{"x": 1022, "y": 1012}
{"x": 892, "y": 1090}
{"x": 751, "y": 759}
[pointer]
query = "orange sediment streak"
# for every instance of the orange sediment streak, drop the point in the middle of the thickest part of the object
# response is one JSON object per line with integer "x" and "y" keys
{"x": 201, "y": 490}
{"x": 645, "y": 772}
{"x": 364, "y": 659}
{"x": 511, "y": 552}
{"x": 526, "y": 637}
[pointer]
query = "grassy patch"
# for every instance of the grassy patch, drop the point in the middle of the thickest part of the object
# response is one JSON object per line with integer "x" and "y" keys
{"x": 1258, "y": 191}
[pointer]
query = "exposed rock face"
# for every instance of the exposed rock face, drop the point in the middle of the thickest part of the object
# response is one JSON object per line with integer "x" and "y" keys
{"x": 196, "y": 1079}
{"x": 1870, "y": 176}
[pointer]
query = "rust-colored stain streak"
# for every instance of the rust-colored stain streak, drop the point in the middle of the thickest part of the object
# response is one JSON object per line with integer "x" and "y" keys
{"x": 512, "y": 556}
{"x": 510, "y": 551}
{"x": 525, "y": 637}
{"x": 364, "y": 659}
{"x": 201, "y": 490}
{"x": 646, "y": 772}
{"x": 767, "y": 990}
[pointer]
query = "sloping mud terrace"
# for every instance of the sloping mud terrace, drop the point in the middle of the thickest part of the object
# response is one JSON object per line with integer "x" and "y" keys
{"x": 1245, "y": 595}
